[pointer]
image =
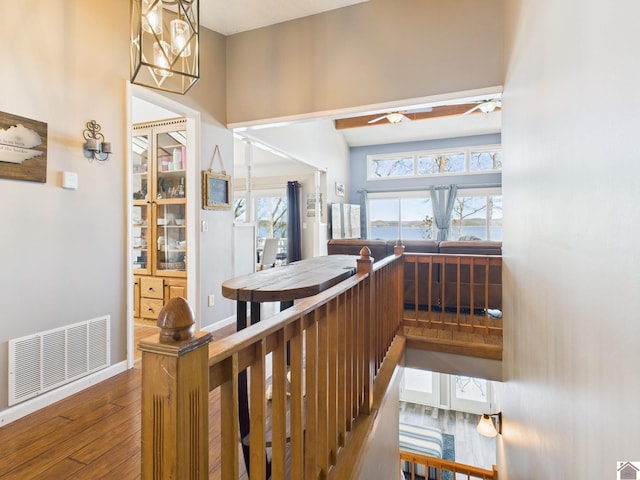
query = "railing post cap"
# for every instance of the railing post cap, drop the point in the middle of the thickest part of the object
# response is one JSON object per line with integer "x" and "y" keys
{"x": 176, "y": 321}
{"x": 365, "y": 260}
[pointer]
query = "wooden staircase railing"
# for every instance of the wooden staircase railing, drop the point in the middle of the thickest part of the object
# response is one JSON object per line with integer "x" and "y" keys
{"x": 338, "y": 340}
{"x": 342, "y": 344}
{"x": 440, "y": 466}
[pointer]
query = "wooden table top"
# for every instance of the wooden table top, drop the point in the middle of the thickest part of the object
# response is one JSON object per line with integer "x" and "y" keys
{"x": 290, "y": 282}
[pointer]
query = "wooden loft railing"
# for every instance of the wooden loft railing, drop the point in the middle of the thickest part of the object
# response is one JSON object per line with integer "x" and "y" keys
{"x": 453, "y": 303}
{"x": 339, "y": 341}
{"x": 342, "y": 344}
{"x": 437, "y": 467}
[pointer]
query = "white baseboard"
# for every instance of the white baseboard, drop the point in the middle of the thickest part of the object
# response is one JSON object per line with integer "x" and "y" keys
{"x": 32, "y": 405}
{"x": 221, "y": 324}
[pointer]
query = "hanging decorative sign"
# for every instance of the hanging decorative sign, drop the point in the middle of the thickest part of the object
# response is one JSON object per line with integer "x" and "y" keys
{"x": 23, "y": 148}
{"x": 216, "y": 186}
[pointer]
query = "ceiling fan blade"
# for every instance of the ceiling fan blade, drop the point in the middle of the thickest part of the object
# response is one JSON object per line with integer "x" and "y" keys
{"x": 472, "y": 109}
{"x": 377, "y": 119}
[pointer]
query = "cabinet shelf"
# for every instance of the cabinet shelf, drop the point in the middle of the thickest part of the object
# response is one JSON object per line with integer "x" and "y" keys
{"x": 159, "y": 198}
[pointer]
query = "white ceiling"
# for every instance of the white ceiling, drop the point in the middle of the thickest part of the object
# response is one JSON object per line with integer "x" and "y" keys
{"x": 233, "y": 16}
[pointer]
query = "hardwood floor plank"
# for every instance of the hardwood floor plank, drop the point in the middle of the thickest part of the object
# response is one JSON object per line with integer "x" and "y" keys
{"x": 64, "y": 469}
{"x": 47, "y": 451}
{"x": 103, "y": 466}
{"x": 130, "y": 424}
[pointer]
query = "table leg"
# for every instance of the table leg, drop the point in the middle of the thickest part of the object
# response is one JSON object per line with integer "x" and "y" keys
{"x": 243, "y": 391}
{"x": 243, "y": 394}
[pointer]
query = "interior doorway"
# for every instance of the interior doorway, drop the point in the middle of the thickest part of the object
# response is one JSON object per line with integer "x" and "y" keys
{"x": 147, "y": 106}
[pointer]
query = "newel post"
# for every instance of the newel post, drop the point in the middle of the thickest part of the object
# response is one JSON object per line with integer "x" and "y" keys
{"x": 175, "y": 397}
{"x": 365, "y": 265}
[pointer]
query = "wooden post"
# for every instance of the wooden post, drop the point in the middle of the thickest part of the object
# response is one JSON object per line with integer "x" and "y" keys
{"x": 365, "y": 265}
{"x": 175, "y": 397}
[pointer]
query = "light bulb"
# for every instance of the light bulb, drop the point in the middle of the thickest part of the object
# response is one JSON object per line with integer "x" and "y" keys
{"x": 152, "y": 16}
{"x": 180, "y": 38}
{"x": 161, "y": 59}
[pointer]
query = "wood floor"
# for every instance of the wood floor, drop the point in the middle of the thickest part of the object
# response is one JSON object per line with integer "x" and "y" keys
{"x": 94, "y": 434}
{"x": 463, "y": 334}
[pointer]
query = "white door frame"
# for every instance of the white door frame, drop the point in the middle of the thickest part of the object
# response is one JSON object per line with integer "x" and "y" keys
{"x": 193, "y": 220}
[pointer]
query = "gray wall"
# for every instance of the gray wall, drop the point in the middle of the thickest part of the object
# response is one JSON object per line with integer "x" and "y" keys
{"x": 64, "y": 255}
{"x": 372, "y": 52}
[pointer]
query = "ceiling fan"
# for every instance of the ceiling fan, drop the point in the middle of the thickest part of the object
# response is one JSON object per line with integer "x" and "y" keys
{"x": 393, "y": 117}
{"x": 485, "y": 106}
{"x": 398, "y": 116}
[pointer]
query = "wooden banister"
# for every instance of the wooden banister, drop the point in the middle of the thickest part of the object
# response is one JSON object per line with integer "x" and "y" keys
{"x": 175, "y": 397}
{"x": 441, "y": 466}
{"x": 332, "y": 356}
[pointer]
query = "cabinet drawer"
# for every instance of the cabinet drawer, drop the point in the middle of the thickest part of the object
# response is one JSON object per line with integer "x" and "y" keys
{"x": 151, "y": 287}
{"x": 150, "y": 308}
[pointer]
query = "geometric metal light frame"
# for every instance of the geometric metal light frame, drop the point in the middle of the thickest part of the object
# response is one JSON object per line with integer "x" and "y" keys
{"x": 160, "y": 58}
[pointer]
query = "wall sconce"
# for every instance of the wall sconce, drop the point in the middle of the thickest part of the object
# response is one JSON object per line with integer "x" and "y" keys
{"x": 95, "y": 148}
{"x": 487, "y": 428}
{"x": 165, "y": 44}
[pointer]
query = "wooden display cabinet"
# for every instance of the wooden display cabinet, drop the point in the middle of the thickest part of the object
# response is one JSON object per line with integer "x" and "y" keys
{"x": 159, "y": 214}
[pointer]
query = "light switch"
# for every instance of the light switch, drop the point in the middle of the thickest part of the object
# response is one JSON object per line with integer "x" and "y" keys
{"x": 70, "y": 180}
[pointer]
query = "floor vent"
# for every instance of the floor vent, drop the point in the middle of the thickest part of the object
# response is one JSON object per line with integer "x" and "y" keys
{"x": 46, "y": 360}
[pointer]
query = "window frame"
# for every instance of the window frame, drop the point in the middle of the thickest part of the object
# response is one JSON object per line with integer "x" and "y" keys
{"x": 467, "y": 150}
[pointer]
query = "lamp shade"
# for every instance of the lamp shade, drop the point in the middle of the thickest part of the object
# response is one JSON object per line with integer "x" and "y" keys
{"x": 486, "y": 427}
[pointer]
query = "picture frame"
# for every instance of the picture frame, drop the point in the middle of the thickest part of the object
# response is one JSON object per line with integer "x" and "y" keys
{"x": 23, "y": 148}
{"x": 339, "y": 189}
{"x": 216, "y": 190}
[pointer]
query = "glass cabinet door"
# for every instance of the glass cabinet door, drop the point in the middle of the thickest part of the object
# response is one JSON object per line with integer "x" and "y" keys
{"x": 140, "y": 177}
{"x": 140, "y": 236}
{"x": 140, "y": 214}
{"x": 159, "y": 200}
{"x": 171, "y": 164}
{"x": 171, "y": 244}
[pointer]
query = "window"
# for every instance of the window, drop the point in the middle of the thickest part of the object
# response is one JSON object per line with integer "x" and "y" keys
{"x": 441, "y": 163}
{"x": 421, "y": 386}
{"x": 408, "y": 217}
{"x": 381, "y": 167}
{"x": 430, "y": 163}
{"x": 455, "y": 392}
{"x": 270, "y": 214}
{"x": 485, "y": 160}
{"x": 476, "y": 213}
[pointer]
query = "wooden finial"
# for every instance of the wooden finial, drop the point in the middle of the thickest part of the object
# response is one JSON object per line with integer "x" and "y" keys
{"x": 398, "y": 248}
{"x": 176, "y": 321}
{"x": 365, "y": 261}
{"x": 365, "y": 252}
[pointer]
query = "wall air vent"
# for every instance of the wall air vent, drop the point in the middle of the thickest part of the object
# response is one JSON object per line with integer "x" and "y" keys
{"x": 46, "y": 360}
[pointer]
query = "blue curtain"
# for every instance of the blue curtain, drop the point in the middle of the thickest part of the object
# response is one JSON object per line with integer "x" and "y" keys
{"x": 443, "y": 200}
{"x": 364, "y": 215}
{"x": 294, "y": 238}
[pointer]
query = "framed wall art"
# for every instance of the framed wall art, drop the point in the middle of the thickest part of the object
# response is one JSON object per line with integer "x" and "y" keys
{"x": 216, "y": 191}
{"x": 216, "y": 186}
{"x": 23, "y": 148}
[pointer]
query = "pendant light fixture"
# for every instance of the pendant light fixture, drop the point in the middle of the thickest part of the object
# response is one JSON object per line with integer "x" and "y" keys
{"x": 165, "y": 44}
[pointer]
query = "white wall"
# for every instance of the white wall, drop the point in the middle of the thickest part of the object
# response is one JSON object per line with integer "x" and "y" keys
{"x": 571, "y": 229}
{"x": 315, "y": 145}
